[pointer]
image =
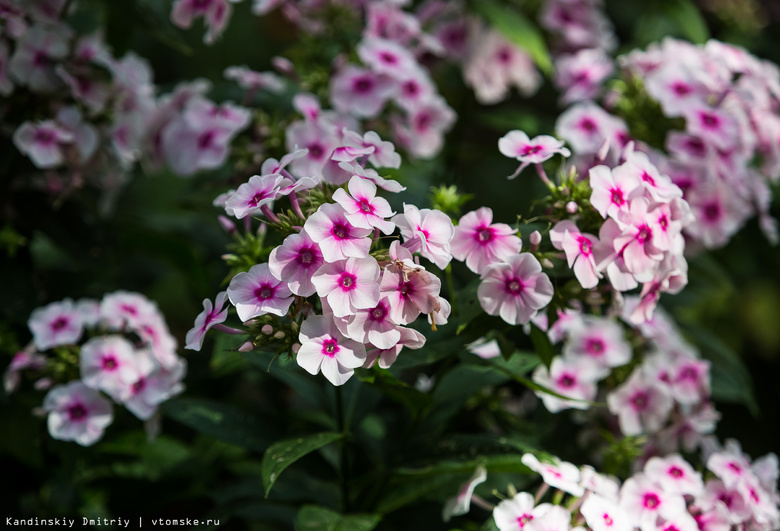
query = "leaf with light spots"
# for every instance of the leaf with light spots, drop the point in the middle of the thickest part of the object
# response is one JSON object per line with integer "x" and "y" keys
{"x": 282, "y": 454}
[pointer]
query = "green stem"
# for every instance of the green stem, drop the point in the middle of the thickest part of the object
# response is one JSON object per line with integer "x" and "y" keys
{"x": 343, "y": 465}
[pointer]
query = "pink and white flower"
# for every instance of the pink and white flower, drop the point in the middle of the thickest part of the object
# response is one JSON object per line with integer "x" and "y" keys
{"x": 337, "y": 237}
{"x": 612, "y": 190}
{"x": 348, "y": 285}
{"x": 77, "y": 413}
{"x": 516, "y": 144}
{"x": 410, "y": 289}
{"x": 43, "y": 143}
{"x": 516, "y": 289}
{"x": 642, "y": 404}
{"x": 250, "y": 197}
{"x": 107, "y": 364}
{"x": 55, "y": 324}
{"x": 428, "y": 232}
{"x": 360, "y": 92}
{"x": 295, "y": 262}
{"x": 646, "y": 501}
{"x": 324, "y": 348}
{"x": 481, "y": 243}
{"x": 515, "y": 514}
{"x": 373, "y": 325}
{"x": 258, "y": 292}
{"x": 599, "y": 340}
{"x": 362, "y": 206}
{"x": 574, "y": 379}
{"x": 211, "y": 315}
{"x": 560, "y": 475}
{"x": 602, "y": 514}
{"x": 675, "y": 475}
{"x": 153, "y": 385}
{"x": 578, "y": 247}
{"x": 460, "y": 504}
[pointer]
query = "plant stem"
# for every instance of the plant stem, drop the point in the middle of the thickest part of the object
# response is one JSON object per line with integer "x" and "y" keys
{"x": 343, "y": 465}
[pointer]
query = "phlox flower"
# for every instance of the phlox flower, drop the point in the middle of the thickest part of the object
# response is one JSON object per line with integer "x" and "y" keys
{"x": 360, "y": 92}
{"x": 384, "y": 155}
{"x": 333, "y": 172}
{"x": 641, "y": 404}
{"x": 606, "y": 487}
{"x": 426, "y": 231}
{"x": 363, "y": 209}
{"x": 573, "y": 378}
{"x": 258, "y": 292}
{"x": 602, "y": 514}
{"x": 514, "y": 514}
{"x": 516, "y": 145}
{"x": 675, "y": 475}
{"x": 613, "y": 262}
{"x": 386, "y": 57}
{"x": 212, "y": 314}
{"x": 484, "y": 349}
{"x": 579, "y": 250}
{"x": 580, "y": 74}
{"x": 85, "y": 136}
{"x": 719, "y": 215}
{"x": 21, "y": 360}
{"x": 43, "y": 143}
{"x": 423, "y": 131}
{"x": 460, "y": 504}
{"x": 712, "y": 125}
{"x": 251, "y": 80}
{"x": 612, "y": 191}
{"x": 413, "y": 89}
{"x": 318, "y": 138}
{"x": 77, "y": 413}
{"x": 153, "y": 385}
{"x": 674, "y": 88}
{"x": 337, "y": 237}
{"x": 516, "y": 289}
{"x": 645, "y": 501}
{"x": 55, "y": 324}
{"x": 373, "y": 325}
{"x": 411, "y": 290}
{"x": 481, "y": 243}
{"x": 36, "y": 53}
{"x": 690, "y": 381}
{"x": 252, "y": 195}
{"x": 730, "y": 465}
{"x": 295, "y": 262}
{"x": 560, "y": 475}
{"x": 215, "y": 13}
{"x": 324, "y": 348}
{"x": 600, "y": 340}
{"x": 107, "y": 364}
{"x": 716, "y": 494}
{"x": 410, "y": 338}
{"x": 349, "y": 285}
{"x": 122, "y": 309}
{"x": 659, "y": 186}
{"x": 389, "y": 185}
{"x": 161, "y": 343}
{"x": 636, "y": 242}
{"x": 586, "y": 126}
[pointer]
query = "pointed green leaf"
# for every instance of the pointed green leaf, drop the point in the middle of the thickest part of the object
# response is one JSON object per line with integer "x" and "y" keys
{"x": 282, "y": 454}
{"x": 542, "y": 345}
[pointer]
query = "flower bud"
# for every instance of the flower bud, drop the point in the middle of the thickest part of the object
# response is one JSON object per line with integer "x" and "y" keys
{"x": 247, "y": 347}
{"x": 535, "y": 239}
{"x": 572, "y": 207}
{"x": 267, "y": 330}
{"x": 279, "y": 335}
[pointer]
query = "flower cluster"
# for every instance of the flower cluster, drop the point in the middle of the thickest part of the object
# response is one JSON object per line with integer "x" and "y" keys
{"x": 721, "y": 131}
{"x": 119, "y": 346}
{"x": 106, "y": 113}
{"x": 667, "y": 494}
{"x": 366, "y": 293}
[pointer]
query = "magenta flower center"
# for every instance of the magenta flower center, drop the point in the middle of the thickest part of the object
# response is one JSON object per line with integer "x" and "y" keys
{"x": 305, "y": 256}
{"x": 206, "y": 140}
{"x": 644, "y": 234}
{"x": 40, "y": 58}
{"x": 58, "y": 324}
{"x": 378, "y": 313}
{"x": 316, "y": 151}
{"x": 663, "y": 222}
{"x": 340, "y": 231}
{"x": 77, "y": 412}
{"x": 109, "y": 363}
{"x": 522, "y": 520}
{"x": 347, "y": 281}
{"x": 607, "y": 519}
{"x": 594, "y": 347}
{"x": 646, "y": 177}
{"x": 484, "y": 235}
{"x": 712, "y": 211}
{"x": 388, "y": 58}
{"x": 127, "y": 308}
{"x": 617, "y": 197}
{"x": 567, "y": 381}
{"x": 651, "y": 501}
{"x": 405, "y": 289}
{"x": 584, "y": 245}
{"x": 710, "y": 120}
{"x": 411, "y": 88}
{"x": 264, "y": 292}
{"x": 45, "y": 136}
{"x": 330, "y": 347}
{"x": 696, "y": 146}
{"x": 639, "y": 401}
{"x": 735, "y": 468}
{"x": 514, "y": 285}
{"x": 588, "y": 125}
{"x": 259, "y": 196}
{"x": 531, "y": 150}
{"x": 681, "y": 89}
{"x": 365, "y": 206}
{"x": 676, "y": 472}
{"x": 504, "y": 55}
{"x": 363, "y": 84}
{"x": 688, "y": 373}
{"x": 422, "y": 121}
{"x": 139, "y": 386}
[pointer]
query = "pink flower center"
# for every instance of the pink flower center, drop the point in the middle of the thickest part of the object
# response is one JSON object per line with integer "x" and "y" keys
{"x": 411, "y": 88}
{"x": 259, "y": 196}
{"x": 422, "y": 121}
{"x": 588, "y": 125}
{"x": 676, "y": 472}
{"x": 316, "y": 151}
{"x": 127, "y": 308}
{"x": 531, "y": 150}
{"x": 365, "y": 206}
{"x": 696, "y": 147}
{"x": 504, "y": 55}
{"x": 363, "y": 84}
{"x": 712, "y": 211}
{"x": 264, "y": 292}
{"x": 726, "y": 498}
{"x": 305, "y": 256}
{"x": 45, "y": 137}
{"x": 484, "y": 235}
{"x": 663, "y": 222}
{"x": 340, "y": 231}
{"x": 735, "y": 467}
{"x": 651, "y": 501}
{"x": 206, "y": 140}
{"x": 709, "y": 120}
{"x": 514, "y": 285}
{"x": 40, "y": 58}
{"x": 388, "y": 58}
{"x": 639, "y": 401}
{"x": 567, "y": 381}
{"x": 594, "y": 347}
{"x": 681, "y": 89}
{"x": 405, "y": 289}
{"x": 58, "y": 324}
{"x": 77, "y": 412}
{"x": 617, "y": 197}
{"x": 688, "y": 373}
{"x": 646, "y": 177}
{"x": 607, "y": 520}
{"x": 347, "y": 281}
{"x": 378, "y": 313}
{"x": 522, "y": 520}
{"x": 585, "y": 247}
{"x": 330, "y": 347}
{"x": 109, "y": 363}
{"x": 139, "y": 386}
{"x": 644, "y": 234}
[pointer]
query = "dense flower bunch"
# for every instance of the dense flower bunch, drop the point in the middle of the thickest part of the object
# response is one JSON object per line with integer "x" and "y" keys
{"x": 667, "y": 494}
{"x": 82, "y": 351}
{"x": 365, "y": 292}
{"x": 721, "y": 131}
{"x": 102, "y": 112}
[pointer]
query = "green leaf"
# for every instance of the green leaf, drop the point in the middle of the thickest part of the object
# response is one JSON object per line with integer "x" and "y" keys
{"x": 542, "y": 345}
{"x": 222, "y": 421}
{"x": 400, "y": 392}
{"x": 314, "y": 518}
{"x": 688, "y": 19}
{"x": 518, "y": 29}
{"x": 282, "y": 454}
